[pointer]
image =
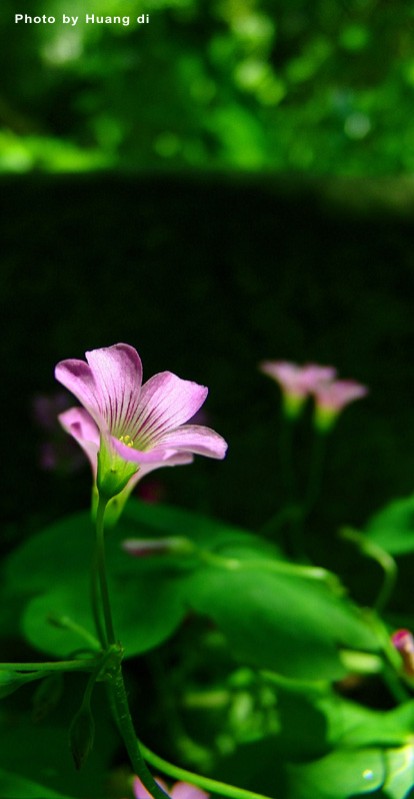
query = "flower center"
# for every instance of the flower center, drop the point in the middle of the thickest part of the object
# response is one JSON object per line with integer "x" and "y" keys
{"x": 127, "y": 440}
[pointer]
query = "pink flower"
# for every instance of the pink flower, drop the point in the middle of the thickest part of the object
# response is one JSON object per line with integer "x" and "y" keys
{"x": 297, "y": 382}
{"x": 57, "y": 453}
{"x": 331, "y": 397}
{"x": 180, "y": 790}
{"x": 128, "y": 429}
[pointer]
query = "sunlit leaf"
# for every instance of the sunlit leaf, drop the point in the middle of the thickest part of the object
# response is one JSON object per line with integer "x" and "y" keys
{"x": 285, "y": 622}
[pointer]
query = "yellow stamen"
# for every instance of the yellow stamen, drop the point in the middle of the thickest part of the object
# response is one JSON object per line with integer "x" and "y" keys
{"x": 127, "y": 440}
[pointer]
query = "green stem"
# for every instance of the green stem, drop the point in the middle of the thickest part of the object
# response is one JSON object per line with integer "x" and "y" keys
{"x": 100, "y": 563}
{"x": 63, "y": 665}
{"x": 66, "y": 623}
{"x": 213, "y": 786}
{"x": 315, "y": 471}
{"x": 286, "y": 456}
{"x": 116, "y": 685}
{"x": 122, "y": 713}
{"x": 287, "y": 515}
{"x": 100, "y": 629}
{"x": 383, "y": 558}
{"x": 392, "y": 662}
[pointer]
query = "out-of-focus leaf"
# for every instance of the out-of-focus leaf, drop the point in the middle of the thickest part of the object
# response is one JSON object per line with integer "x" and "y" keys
{"x": 12, "y": 786}
{"x": 339, "y": 775}
{"x": 393, "y": 527}
{"x": 284, "y": 622}
{"x": 289, "y": 624}
{"x": 11, "y": 681}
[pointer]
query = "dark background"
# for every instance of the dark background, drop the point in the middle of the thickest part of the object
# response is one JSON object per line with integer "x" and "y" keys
{"x": 229, "y": 183}
{"x": 206, "y": 277}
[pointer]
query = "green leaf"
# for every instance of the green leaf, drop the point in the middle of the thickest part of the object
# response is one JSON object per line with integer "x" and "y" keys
{"x": 146, "y": 594}
{"x": 11, "y": 681}
{"x": 374, "y": 750}
{"x": 392, "y": 528}
{"x": 286, "y": 622}
{"x": 12, "y": 786}
{"x": 355, "y": 772}
{"x": 40, "y": 752}
{"x": 145, "y": 613}
{"x": 400, "y": 772}
{"x": 339, "y": 775}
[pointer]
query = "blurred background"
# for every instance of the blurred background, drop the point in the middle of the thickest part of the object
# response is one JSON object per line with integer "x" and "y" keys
{"x": 232, "y": 181}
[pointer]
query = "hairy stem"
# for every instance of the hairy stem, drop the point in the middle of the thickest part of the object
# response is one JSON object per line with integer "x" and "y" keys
{"x": 122, "y": 713}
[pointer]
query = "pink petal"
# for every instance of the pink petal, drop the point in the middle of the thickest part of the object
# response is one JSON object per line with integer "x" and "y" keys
{"x": 297, "y": 380}
{"x": 198, "y": 439}
{"x": 182, "y": 790}
{"x": 314, "y": 375}
{"x": 108, "y": 386}
{"x": 166, "y": 402}
{"x": 77, "y": 377}
{"x": 175, "y": 459}
{"x": 335, "y": 396}
{"x": 187, "y": 438}
{"x": 79, "y": 424}
{"x": 140, "y": 792}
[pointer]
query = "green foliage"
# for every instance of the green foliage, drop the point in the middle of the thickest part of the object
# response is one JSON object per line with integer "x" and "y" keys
{"x": 330, "y": 748}
{"x": 10, "y": 681}
{"x": 393, "y": 527}
{"x": 47, "y": 765}
{"x": 13, "y": 786}
{"x": 291, "y": 623}
{"x": 301, "y": 86}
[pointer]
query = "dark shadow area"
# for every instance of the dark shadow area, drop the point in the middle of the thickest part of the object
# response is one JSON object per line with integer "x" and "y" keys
{"x": 207, "y": 278}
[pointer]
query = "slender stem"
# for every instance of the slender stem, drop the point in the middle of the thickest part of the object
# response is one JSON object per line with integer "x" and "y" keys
{"x": 286, "y": 456}
{"x": 213, "y": 786}
{"x": 315, "y": 471}
{"x": 62, "y": 665}
{"x": 116, "y": 685}
{"x": 383, "y": 558}
{"x": 394, "y": 679}
{"x": 285, "y": 515}
{"x": 66, "y": 623}
{"x": 95, "y": 596}
{"x": 122, "y": 713}
{"x": 100, "y": 560}
{"x": 296, "y": 540}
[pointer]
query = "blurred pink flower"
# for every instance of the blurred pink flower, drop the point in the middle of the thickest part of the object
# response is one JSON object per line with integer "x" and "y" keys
{"x": 297, "y": 382}
{"x": 152, "y": 492}
{"x": 332, "y": 396}
{"x": 128, "y": 429}
{"x": 56, "y": 451}
{"x": 148, "y": 547}
{"x": 180, "y": 790}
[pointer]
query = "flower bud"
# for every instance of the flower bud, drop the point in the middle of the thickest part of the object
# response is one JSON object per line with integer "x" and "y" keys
{"x": 404, "y": 642}
{"x": 81, "y": 736}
